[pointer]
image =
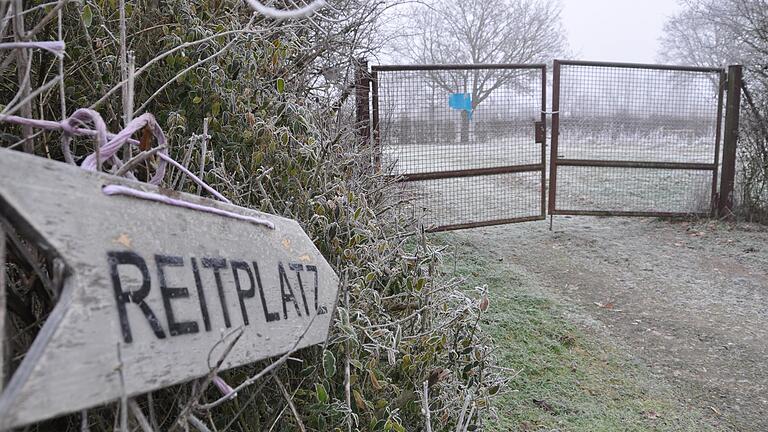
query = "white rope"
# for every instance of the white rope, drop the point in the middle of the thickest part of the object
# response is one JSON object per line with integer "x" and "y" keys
{"x": 271, "y": 12}
{"x": 113, "y": 189}
{"x": 54, "y": 47}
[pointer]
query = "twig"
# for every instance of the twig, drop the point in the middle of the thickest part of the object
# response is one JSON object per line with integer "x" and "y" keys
{"x": 139, "y": 158}
{"x": 289, "y": 400}
{"x": 179, "y": 180}
{"x": 506, "y": 369}
{"x": 277, "y": 418}
{"x": 40, "y": 24}
{"x": 136, "y": 411}
{"x": 245, "y": 406}
{"x": 27, "y": 11}
{"x": 171, "y": 51}
{"x": 198, "y": 392}
{"x": 460, "y": 423}
{"x": 129, "y": 97}
{"x": 62, "y": 91}
{"x": 24, "y": 102}
{"x": 6, "y": 11}
{"x": 24, "y": 140}
{"x": 425, "y": 408}
{"x": 264, "y": 191}
{"x": 21, "y": 60}
{"x": 152, "y": 416}
{"x": 124, "y": 395}
{"x": 84, "y": 421}
{"x": 24, "y": 82}
{"x": 203, "y": 151}
{"x": 12, "y": 238}
{"x": 263, "y": 372}
{"x": 347, "y": 379}
{"x": 198, "y": 424}
{"x": 182, "y": 73}
{"x": 183, "y": 169}
{"x": 469, "y": 418}
{"x": 755, "y": 111}
{"x": 124, "y": 63}
{"x": 95, "y": 63}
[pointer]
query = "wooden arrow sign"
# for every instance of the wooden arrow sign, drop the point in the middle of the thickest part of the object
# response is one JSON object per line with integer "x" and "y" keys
{"x": 152, "y": 290}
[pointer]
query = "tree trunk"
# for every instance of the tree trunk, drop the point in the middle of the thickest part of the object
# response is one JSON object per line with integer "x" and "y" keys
{"x": 464, "y": 127}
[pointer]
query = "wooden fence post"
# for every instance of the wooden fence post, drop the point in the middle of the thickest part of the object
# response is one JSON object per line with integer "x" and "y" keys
{"x": 730, "y": 140}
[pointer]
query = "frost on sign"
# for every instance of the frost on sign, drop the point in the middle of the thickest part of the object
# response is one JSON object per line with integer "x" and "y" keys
{"x": 152, "y": 287}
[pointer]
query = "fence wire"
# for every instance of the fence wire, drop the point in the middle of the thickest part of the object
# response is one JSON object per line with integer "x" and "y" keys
{"x": 472, "y": 200}
{"x": 454, "y": 123}
{"x": 634, "y": 190}
{"x": 609, "y": 113}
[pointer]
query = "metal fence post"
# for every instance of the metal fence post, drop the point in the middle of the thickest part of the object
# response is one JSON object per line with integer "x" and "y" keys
{"x": 714, "y": 202}
{"x": 362, "y": 112}
{"x": 554, "y": 140}
{"x": 730, "y": 140}
{"x": 543, "y": 140}
{"x": 375, "y": 127}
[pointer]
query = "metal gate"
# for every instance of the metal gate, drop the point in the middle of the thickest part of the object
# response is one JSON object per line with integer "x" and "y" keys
{"x": 634, "y": 140}
{"x": 467, "y": 140}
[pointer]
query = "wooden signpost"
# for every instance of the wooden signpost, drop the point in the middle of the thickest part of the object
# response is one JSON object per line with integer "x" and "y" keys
{"x": 153, "y": 291}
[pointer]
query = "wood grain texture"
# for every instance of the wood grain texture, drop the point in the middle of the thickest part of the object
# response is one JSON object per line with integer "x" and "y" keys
{"x": 3, "y": 312}
{"x": 193, "y": 272}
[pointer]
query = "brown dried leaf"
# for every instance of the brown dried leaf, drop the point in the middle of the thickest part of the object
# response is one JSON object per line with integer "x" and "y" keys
{"x": 484, "y": 302}
{"x": 359, "y": 402}
{"x": 145, "y": 143}
{"x": 374, "y": 380}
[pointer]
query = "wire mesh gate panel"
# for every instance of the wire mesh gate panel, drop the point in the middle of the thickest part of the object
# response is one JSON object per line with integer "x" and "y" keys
{"x": 466, "y": 140}
{"x": 634, "y": 140}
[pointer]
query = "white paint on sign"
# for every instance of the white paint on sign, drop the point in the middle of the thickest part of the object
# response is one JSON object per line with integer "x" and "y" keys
{"x": 3, "y": 302}
{"x": 162, "y": 284}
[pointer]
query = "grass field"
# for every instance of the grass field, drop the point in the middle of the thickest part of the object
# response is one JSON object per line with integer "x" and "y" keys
{"x": 564, "y": 379}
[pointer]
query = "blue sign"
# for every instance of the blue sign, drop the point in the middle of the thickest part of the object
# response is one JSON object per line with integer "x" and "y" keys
{"x": 461, "y": 102}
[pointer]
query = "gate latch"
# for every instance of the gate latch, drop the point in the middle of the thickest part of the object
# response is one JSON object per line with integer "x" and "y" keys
{"x": 541, "y": 135}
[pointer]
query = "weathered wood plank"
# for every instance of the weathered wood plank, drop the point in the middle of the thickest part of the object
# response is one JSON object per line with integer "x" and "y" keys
{"x": 166, "y": 284}
{"x": 3, "y": 312}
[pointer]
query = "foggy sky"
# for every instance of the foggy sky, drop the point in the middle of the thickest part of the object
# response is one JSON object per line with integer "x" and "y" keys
{"x": 616, "y": 30}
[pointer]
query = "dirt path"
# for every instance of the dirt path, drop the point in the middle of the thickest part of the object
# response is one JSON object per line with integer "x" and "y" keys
{"x": 690, "y": 300}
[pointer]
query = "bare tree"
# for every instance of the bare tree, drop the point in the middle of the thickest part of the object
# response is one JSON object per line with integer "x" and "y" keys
{"x": 718, "y": 32}
{"x": 477, "y": 32}
{"x": 721, "y": 32}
